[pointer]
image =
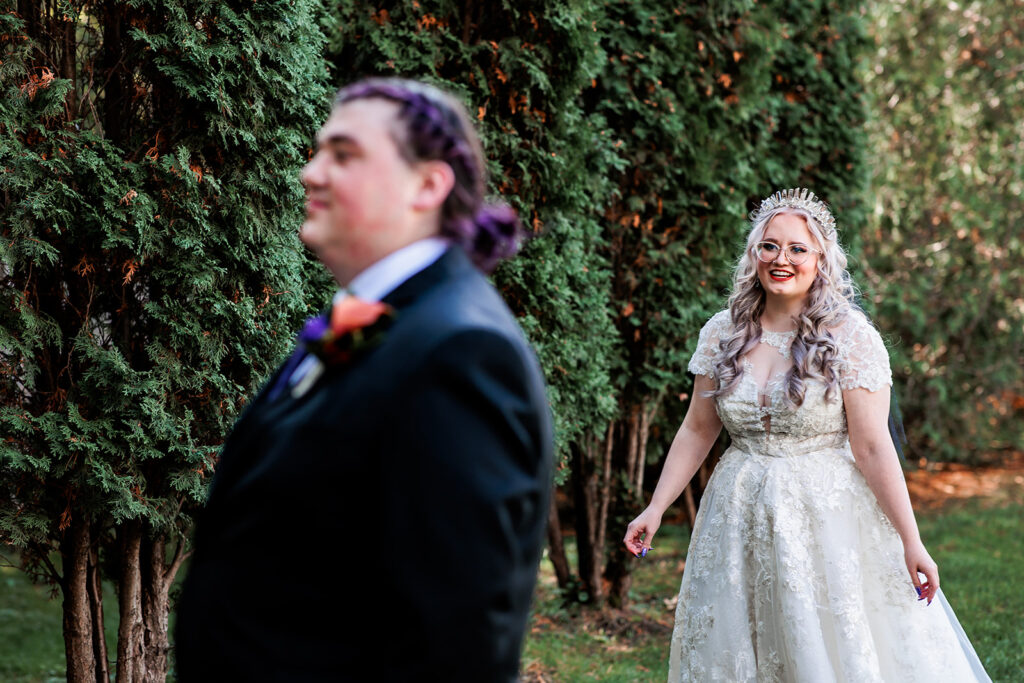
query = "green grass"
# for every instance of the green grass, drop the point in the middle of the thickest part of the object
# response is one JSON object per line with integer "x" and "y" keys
{"x": 619, "y": 646}
{"x": 31, "y": 648}
{"x": 31, "y": 640}
{"x": 980, "y": 551}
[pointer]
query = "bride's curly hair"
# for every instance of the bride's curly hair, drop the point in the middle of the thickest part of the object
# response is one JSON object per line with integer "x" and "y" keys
{"x": 831, "y": 297}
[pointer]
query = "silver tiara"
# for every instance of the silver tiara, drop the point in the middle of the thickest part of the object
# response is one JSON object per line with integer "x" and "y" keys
{"x": 799, "y": 198}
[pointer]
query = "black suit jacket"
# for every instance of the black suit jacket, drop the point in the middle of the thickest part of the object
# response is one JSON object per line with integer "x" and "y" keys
{"x": 387, "y": 525}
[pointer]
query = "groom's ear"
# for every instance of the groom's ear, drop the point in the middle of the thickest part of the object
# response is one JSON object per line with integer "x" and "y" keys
{"x": 437, "y": 179}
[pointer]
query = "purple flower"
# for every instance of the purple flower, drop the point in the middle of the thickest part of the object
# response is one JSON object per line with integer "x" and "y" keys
{"x": 314, "y": 329}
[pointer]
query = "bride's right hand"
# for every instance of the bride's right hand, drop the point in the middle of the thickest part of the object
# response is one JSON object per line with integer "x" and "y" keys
{"x": 641, "y": 530}
{"x": 920, "y": 562}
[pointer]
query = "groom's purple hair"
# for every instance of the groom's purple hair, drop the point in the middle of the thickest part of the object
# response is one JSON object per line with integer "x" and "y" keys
{"x": 436, "y": 127}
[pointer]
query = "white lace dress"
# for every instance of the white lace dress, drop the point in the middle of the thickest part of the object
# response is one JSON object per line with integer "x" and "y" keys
{"x": 794, "y": 573}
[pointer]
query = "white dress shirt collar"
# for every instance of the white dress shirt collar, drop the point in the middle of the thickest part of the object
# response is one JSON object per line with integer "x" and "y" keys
{"x": 384, "y": 276}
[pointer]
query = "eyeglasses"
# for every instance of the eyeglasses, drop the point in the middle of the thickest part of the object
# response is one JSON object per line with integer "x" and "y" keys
{"x": 768, "y": 252}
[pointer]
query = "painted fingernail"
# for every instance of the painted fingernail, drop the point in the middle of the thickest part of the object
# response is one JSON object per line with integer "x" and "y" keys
{"x": 643, "y": 553}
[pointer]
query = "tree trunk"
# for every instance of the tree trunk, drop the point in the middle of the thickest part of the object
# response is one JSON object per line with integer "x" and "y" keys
{"x": 607, "y": 482}
{"x": 99, "y": 640}
{"x": 619, "y": 574}
{"x": 643, "y": 435}
{"x": 157, "y": 579}
{"x": 556, "y": 549}
{"x": 605, "y": 495}
{"x": 585, "y": 480}
{"x": 626, "y": 499}
{"x": 623, "y": 502}
{"x": 78, "y": 616}
{"x": 130, "y": 633}
{"x": 143, "y": 642}
{"x": 67, "y": 62}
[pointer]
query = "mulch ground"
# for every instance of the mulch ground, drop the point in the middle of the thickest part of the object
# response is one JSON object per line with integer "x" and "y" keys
{"x": 938, "y": 485}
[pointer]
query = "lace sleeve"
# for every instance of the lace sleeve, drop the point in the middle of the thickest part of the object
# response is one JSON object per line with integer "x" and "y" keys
{"x": 702, "y": 362}
{"x": 863, "y": 359}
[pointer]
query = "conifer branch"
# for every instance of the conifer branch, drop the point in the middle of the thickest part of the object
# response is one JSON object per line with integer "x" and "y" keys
{"x": 44, "y": 558}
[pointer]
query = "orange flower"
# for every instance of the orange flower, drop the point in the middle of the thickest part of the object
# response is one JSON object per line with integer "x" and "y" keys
{"x": 352, "y": 313}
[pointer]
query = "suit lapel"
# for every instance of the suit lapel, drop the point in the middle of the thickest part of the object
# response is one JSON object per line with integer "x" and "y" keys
{"x": 451, "y": 263}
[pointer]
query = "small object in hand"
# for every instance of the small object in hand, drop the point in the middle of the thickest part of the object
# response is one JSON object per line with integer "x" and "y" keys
{"x": 643, "y": 553}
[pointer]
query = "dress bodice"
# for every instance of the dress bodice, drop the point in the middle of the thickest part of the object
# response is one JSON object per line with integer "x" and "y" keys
{"x": 779, "y": 429}
{"x": 760, "y": 420}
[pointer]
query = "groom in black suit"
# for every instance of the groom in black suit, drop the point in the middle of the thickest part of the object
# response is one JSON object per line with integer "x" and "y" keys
{"x": 378, "y": 511}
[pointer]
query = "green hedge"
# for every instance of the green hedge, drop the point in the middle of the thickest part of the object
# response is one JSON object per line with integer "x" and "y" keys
{"x": 150, "y": 270}
{"x": 636, "y": 137}
{"x": 944, "y": 251}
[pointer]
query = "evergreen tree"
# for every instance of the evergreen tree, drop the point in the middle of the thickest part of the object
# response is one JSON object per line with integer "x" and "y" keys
{"x": 150, "y": 276}
{"x": 945, "y": 247}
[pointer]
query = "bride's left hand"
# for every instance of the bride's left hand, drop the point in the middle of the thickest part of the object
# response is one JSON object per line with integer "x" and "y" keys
{"x": 920, "y": 562}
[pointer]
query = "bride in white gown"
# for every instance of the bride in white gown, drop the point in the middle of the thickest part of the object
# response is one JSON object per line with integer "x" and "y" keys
{"x": 805, "y": 554}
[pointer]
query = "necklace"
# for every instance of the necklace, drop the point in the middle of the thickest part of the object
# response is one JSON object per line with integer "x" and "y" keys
{"x": 780, "y": 340}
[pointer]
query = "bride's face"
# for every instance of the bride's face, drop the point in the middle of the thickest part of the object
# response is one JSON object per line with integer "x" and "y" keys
{"x": 788, "y": 239}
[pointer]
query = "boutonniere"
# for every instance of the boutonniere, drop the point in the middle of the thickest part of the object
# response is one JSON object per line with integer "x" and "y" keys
{"x": 354, "y": 326}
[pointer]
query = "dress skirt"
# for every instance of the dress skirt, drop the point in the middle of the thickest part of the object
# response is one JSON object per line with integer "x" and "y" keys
{"x": 795, "y": 574}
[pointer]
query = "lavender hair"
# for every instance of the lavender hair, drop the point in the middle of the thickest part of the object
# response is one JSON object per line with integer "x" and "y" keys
{"x": 436, "y": 127}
